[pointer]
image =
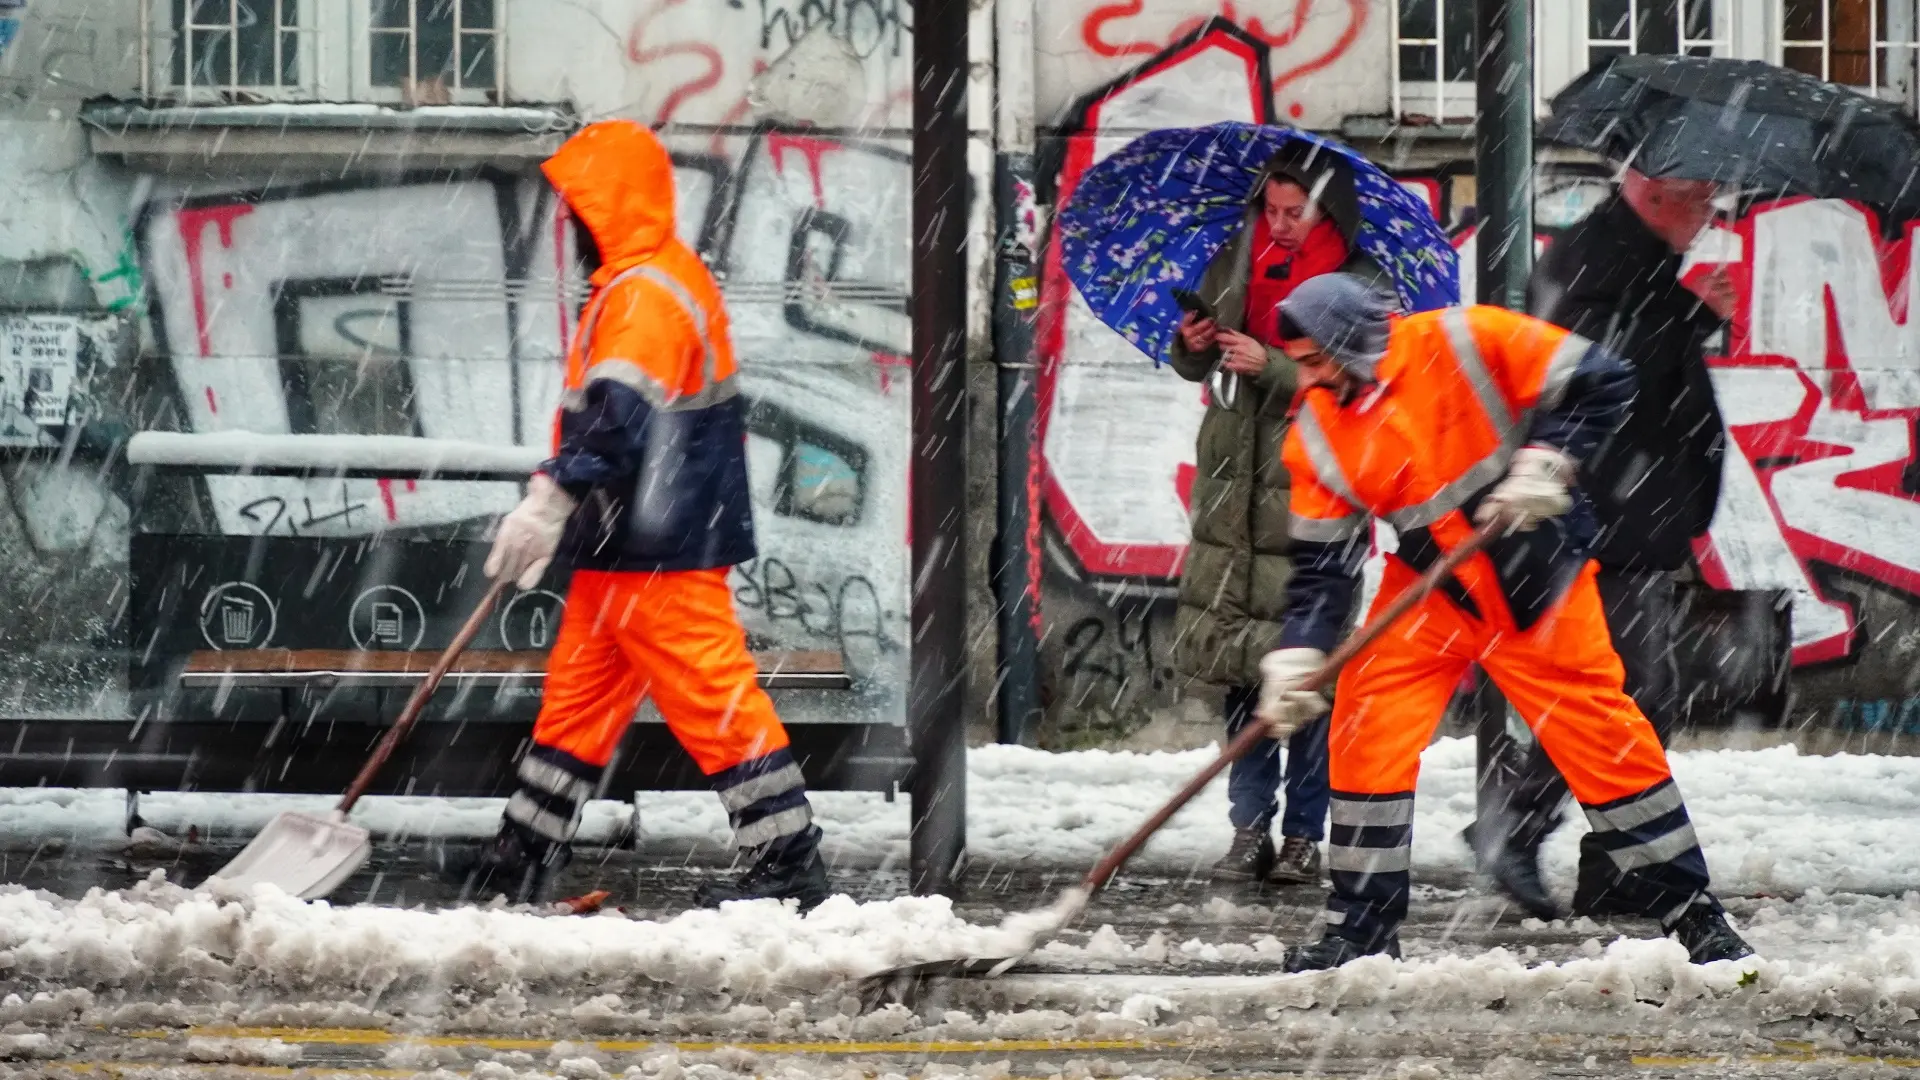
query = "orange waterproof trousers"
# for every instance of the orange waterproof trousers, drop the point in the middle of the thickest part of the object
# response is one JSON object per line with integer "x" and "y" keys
{"x": 671, "y": 636}
{"x": 1564, "y": 678}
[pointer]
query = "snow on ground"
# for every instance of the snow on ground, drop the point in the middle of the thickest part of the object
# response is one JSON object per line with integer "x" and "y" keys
{"x": 1771, "y": 820}
{"x": 1829, "y": 957}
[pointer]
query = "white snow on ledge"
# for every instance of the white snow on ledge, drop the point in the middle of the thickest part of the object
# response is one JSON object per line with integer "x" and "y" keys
{"x": 400, "y": 453}
{"x": 1770, "y": 820}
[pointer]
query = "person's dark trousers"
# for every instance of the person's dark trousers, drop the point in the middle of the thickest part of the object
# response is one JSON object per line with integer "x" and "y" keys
{"x": 1520, "y": 790}
{"x": 1254, "y": 781}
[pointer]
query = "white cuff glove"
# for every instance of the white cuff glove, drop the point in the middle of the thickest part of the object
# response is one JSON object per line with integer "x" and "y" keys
{"x": 1284, "y": 707}
{"x": 1535, "y": 488}
{"x": 530, "y": 533}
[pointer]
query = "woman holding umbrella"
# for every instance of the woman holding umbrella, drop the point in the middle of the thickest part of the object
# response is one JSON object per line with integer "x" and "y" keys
{"x": 1301, "y": 224}
{"x": 1241, "y": 214}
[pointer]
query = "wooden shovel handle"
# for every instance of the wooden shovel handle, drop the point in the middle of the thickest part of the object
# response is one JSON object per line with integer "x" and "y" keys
{"x": 1319, "y": 680}
{"x": 418, "y": 702}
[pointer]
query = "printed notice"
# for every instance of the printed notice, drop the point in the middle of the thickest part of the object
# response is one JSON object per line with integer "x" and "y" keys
{"x": 38, "y": 354}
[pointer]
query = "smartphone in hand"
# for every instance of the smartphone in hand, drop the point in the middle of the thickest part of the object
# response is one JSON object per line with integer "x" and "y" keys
{"x": 1192, "y": 301}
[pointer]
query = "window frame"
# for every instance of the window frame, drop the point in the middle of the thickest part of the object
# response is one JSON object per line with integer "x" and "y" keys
{"x": 176, "y": 43}
{"x": 361, "y": 51}
{"x": 1877, "y": 45}
{"x": 1447, "y": 99}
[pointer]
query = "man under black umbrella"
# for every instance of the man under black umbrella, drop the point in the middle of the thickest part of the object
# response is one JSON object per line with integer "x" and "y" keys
{"x": 1615, "y": 278}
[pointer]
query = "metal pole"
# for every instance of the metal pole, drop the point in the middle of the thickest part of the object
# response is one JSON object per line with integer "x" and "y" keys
{"x": 1016, "y": 550}
{"x": 935, "y": 715}
{"x": 1016, "y": 554}
{"x": 1503, "y": 174}
{"x": 1503, "y": 149}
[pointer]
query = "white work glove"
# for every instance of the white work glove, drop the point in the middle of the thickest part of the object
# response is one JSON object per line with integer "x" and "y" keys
{"x": 1535, "y": 488}
{"x": 1284, "y": 707}
{"x": 530, "y": 533}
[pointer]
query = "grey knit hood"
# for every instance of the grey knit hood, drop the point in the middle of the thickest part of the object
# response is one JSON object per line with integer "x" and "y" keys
{"x": 1345, "y": 315}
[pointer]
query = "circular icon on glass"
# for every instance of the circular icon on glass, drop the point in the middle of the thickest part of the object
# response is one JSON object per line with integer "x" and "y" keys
{"x": 237, "y": 615}
{"x": 531, "y": 620}
{"x": 386, "y": 617}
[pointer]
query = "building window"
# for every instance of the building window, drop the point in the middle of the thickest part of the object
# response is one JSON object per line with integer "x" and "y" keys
{"x": 1660, "y": 27}
{"x": 1433, "y": 58}
{"x": 432, "y": 49}
{"x": 1869, "y": 44}
{"x": 236, "y": 45}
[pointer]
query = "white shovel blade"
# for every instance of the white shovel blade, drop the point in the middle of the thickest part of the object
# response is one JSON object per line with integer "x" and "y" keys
{"x": 306, "y": 855}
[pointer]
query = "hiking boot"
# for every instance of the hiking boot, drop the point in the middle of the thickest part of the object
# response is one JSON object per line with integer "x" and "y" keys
{"x": 1333, "y": 951}
{"x": 1299, "y": 862}
{"x": 1515, "y": 872}
{"x": 1704, "y": 931}
{"x": 1250, "y": 859}
{"x": 511, "y": 863}
{"x": 776, "y": 876}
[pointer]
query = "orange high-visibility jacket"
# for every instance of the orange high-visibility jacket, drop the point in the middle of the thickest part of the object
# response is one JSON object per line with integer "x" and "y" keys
{"x": 651, "y": 435}
{"x": 1457, "y": 392}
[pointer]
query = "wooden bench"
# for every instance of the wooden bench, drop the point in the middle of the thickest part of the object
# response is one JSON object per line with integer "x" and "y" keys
{"x": 329, "y": 668}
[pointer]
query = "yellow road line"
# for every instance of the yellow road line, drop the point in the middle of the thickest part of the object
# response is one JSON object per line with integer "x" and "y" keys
{"x": 382, "y": 1037}
{"x": 1661, "y": 1061}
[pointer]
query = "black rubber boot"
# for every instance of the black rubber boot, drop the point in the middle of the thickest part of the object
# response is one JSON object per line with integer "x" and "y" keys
{"x": 790, "y": 871}
{"x": 1332, "y": 951}
{"x": 1705, "y": 933}
{"x": 1249, "y": 859}
{"x": 1514, "y": 869}
{"x": 513, "y": 863}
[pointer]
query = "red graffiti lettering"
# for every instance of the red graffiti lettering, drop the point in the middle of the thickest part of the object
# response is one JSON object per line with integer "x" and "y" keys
{"x": 1093, "y": 32}
{"x": 193, "y": 224}
{"x": 639, "y": 53}
{"x": 812, "y": 149}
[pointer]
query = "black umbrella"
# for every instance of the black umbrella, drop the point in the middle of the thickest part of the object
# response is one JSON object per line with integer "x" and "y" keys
{"x": 1763, "y": 129}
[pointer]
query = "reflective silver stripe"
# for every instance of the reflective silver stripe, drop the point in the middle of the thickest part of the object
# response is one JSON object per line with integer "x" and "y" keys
{"x": 1326, "y": 530}
{"x": 1637, "y": 813}
{"x": 1466, "y": 353}
{"x": 1358, "y": 813}
{"x": 554, "y": 780}
{"x": 1336, "y": 918}
{"x": 697, "y": 314}
{"x": 1659, "y": 850}
{"x": 522, "y": 810}
{"x": 1369, "y": 860}
{"x": 1326, "y": 466}
{"x": 773, "y": 827}
{"x": 632, "y": 375}
{"x": 1454, "y": 493}
{"x": 1560, "y": 368}
{"x": 590, "y": 318}
{"x": 747, "y": 792}
{"x": 628, "y": 373}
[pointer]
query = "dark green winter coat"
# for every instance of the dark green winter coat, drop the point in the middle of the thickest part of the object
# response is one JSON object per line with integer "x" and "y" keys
{"x": 1233, "y": 588}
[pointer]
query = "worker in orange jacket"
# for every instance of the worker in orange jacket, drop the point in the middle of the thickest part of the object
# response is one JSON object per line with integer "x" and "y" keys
{"x": 646, "y": 498}
{"x": 1435, "y": 422}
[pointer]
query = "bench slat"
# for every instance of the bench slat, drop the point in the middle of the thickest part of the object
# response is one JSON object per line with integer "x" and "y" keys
{"x": 269, "y": 668}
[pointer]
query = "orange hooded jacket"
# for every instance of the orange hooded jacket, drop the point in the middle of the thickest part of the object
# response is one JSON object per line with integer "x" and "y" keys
{"x": 651, "y": 434}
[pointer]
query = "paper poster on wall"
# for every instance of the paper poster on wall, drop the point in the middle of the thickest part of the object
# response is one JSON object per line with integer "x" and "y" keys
{"x": 38, "y": 355}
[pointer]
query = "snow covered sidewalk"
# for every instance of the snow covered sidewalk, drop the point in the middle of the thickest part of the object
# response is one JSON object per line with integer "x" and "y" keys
{"x": 1770, "y": 820}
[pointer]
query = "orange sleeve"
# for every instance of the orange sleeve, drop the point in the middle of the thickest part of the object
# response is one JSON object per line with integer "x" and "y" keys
{"x": 645, "y": 338}
{"x": 1530, "y": 358}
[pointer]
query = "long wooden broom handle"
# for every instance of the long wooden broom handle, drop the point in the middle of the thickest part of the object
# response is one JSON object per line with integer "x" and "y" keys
{"x": 418, "y": 702}
{"x": 1255, "y": 731}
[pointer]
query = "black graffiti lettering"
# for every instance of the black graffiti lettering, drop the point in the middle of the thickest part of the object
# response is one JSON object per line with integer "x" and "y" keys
{"x": 844, "y": 613}
{"x": 1088, "y": 664}
{"x": 251, "y": 511}
{"x": 867, "y": 26}
{"x": 348, "y": 508}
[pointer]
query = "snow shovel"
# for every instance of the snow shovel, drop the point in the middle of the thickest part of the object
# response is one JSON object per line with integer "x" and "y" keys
{"x": 309, "y": 855}
{"x": 1037, "y": 926}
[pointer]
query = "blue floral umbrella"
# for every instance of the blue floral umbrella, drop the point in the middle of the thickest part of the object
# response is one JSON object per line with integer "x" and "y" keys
{"x": 1150, "y": 218}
